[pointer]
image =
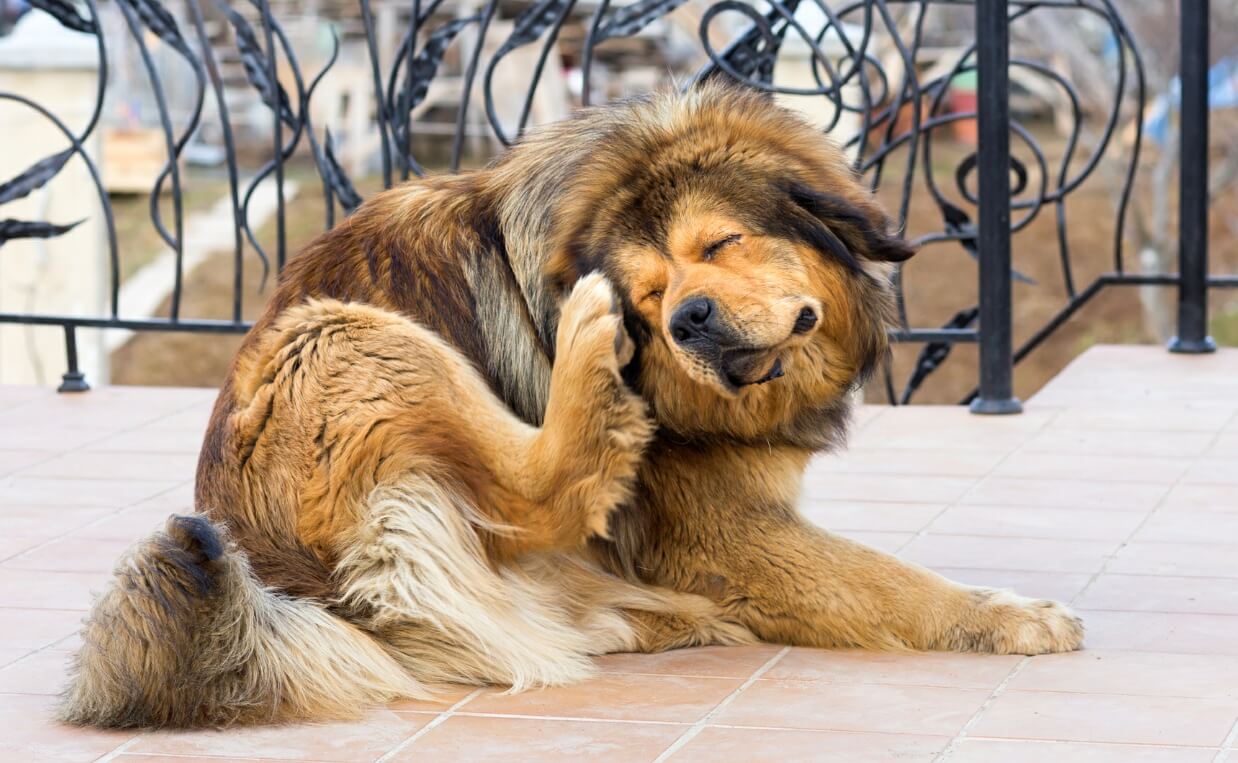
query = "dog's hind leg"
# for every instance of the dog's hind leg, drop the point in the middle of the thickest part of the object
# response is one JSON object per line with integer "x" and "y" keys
{"x": 685, "y": 620}
{"x": 416, "y": 575}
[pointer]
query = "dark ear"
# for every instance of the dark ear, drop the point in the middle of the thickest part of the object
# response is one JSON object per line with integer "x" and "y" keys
{"x": 859, "y": 230}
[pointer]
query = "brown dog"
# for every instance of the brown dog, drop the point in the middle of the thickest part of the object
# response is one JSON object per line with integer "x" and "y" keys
{"x": 496, "y": 423}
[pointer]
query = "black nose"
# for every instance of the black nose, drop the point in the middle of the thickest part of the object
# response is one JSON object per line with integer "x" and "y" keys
{"x": 694, "y": 320}
{"x": 805, "y": 321}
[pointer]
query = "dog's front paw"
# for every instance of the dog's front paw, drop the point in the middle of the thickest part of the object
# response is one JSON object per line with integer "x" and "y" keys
{"x": 1002, "y": 622}
{"x": 591, "y": 332}
{"x": 601, "y": 424}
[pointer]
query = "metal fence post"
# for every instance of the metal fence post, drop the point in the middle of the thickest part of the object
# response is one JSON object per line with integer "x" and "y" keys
{"x": 996, "y": 392}
{"x": 73, "y": 379}
{"x": 1193, "y": 183}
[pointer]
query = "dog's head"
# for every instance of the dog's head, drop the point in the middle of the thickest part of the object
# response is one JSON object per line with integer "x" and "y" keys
{"x": 753, "y": 265}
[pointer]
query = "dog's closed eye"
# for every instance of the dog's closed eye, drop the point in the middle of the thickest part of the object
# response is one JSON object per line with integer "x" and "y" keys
{"x": 712, "y": 250}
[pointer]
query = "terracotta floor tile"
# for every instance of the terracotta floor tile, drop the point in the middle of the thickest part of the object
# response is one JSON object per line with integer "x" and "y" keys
{"x": 954, "y": 436}
{"x": 1097, "y": 468}
{"x": 71, "y": 554}
{"x": 1212, "y": 471}
{"x": 1156, "y": 593}
{"x": 1014, "y": 521}
{"x": 1100, "y": 671}
{"x": 179, "y": 498}
{"x": 1190, "y": 527}
{"x": 48, "y": 437}
{"x": 866, "y": 413}
{"x": 30, "y": 733}
{"x": 939, "y": 427}
{"x": 930, "y": 710}
{"x": 71, "y": 643}
{"x": 46, "y": 522}
{"x": 16, "y": 460}
{"x": 870, "y": 517}
{"x": 366, "y": 739}
{"x": 129, "y": 525}
{"x": 1201, "y": 498}
{"x": 102, "y": 409}
{"x": 43, "y": 672}
{"x": 191, "y": 420}
{"x": 1116, "y": 442}
{"x": 1045, "y": 555}
{"x": 1062, "y": 493}
{"x": 943, "y": 462}
{"x": 1161, "y": 632}
{"x": 1059, "y": 586}
{"x": 149, "y": 440}
{"x": 12, "y": 395}
{"x": 890, "y": 543}
{"x": 49, "y": 491}
{"x": 905, "y": 435}
{"x": 48, "y": 590}
{"x": 1157, "y": 417}
{"x": 447, "y": 696}
{"x": 89, "y": 416}
{"x": 888, "y": 487}
{"x": 1225, "y": 445}
{"x": 1008, "y": 751}
{"x": 1118, "y": 718}
{"x": 709, "y": 661}
{"x": 960, "y": 671}
{"x": 1206, "y": 559}
{"x": 12, "y": 545}
{"x": 1156, "y": 391}
{"x": 127, "y": 758}
{"x": 10, "y": 655}
{"x": 674, "y": 699}
{"x": 736, "y": 745}
{"x": 503, "y": 740}
{"x": 116, "y": 466}
{"x": 37, "y": 628}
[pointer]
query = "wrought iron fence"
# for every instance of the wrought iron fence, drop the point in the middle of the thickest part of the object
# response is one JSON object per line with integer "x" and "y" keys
{"x": 895, "y": 109}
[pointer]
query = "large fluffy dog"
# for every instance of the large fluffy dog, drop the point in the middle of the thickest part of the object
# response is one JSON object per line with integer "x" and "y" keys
{"x": 493, "y": 424}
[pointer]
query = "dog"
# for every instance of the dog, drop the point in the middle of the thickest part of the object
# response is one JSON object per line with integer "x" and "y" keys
{"x": 493, "y": 424}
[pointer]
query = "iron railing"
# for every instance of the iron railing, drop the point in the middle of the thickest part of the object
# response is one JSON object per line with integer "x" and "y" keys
{"x": 847, "y": 78}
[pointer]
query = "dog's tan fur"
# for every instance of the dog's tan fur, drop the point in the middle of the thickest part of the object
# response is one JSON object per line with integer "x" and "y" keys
{"x": 463, "y": 445}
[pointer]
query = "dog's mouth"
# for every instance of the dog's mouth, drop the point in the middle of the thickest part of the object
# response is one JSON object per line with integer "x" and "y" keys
{"x": 745, "y": 367}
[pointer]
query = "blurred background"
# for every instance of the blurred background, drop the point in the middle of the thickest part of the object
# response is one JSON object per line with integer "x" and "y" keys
{"x": 1080, "y": 110}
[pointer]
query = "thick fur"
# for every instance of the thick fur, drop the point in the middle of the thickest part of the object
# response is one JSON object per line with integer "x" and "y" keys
{"x": 471, "y": 441}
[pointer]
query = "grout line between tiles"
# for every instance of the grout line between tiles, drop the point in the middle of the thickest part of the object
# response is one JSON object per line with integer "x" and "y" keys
{"x": 91, "y": 523}
{"x": 975, "y": 482}
{"x": 572, "y": 718}
{"x": 1228, "y": 746}
{"x": 116, "y": 512}
{"x": 998, "y": 691}
{"x": 699, "y": 726}
{"x": 118, "y": 750}
{"x": 1104, "y": 566}
{"x": 1093, "y": 743}
{"x": 438, "y": 721}
{"x": 197, "y": 756}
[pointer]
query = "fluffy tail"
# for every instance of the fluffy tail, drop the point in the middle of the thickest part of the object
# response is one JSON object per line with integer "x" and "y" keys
{"x": 187, "y": 636}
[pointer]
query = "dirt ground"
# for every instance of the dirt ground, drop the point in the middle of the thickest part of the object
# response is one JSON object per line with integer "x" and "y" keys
{"x": 939, "y": 281}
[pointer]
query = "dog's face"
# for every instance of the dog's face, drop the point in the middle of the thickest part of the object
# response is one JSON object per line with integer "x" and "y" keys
{"x": 752, "y": 265}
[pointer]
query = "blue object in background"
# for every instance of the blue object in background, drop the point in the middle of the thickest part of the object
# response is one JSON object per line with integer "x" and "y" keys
{"x": 1222, "y": 94}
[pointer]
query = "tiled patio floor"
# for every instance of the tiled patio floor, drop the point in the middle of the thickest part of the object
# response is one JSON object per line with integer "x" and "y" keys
{"x": 1117, "y": 491}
